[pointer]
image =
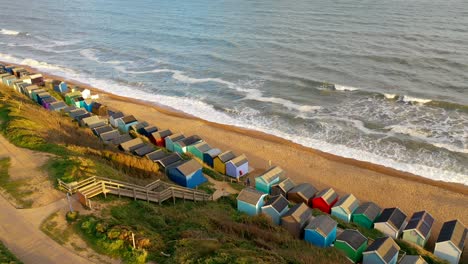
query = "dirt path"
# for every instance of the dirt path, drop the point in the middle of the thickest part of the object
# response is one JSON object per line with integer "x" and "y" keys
{"x": 222, "y": 188}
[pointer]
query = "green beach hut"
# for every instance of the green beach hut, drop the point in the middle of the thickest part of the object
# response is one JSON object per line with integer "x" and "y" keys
{"x": 271, "y": 177}
{"x": 198, "y": 149}
{"x": 366, "y": 214}
{"x": 181, "y": 146}
{"x": 352, "y": 243}
{"x": 419, "y": 227}
{"x": 70, "y": 97}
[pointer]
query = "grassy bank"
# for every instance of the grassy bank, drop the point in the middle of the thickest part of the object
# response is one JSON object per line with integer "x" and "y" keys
{"x": 6, "y": 256}
{"x": 13, "y": 188}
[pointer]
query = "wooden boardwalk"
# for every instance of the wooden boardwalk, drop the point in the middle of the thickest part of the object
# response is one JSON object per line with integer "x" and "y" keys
{"x": 157, "y": 191}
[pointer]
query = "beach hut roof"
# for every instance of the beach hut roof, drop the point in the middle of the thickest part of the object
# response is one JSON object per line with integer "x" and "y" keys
{"x": 59, "y": 104}
{"x": 352, "y": 237}
{"x": 116, "y": 115}
{"x": 369, "y": 209}
{"x": 78, "y": 99}
{"x": 77, "y": 112}
{"x": 394, "y": 216}
{"x": 250, "y": 196}
{"x": 306, "y": 190}
{"x": 412, "y": 259}
{"x": 176, "y": 137}
{"x": 278, "y": 203}
{"x": 35, "y": 76}
{"x": 421, "y": 221}
{"x": 300, "y": 212}
{"x": 30, "y": 88}
{"x": 226, "y": 156}
{"x": 96, "y": 105}
{"x": 157, "y": 155}
{"x": 70, "y": 108}
{"x": 169, "y": 159}
{"x": 43, "y": 94}
{"x": 323, "y": 224}
{"x": 240, "y": 160}
{"x": 349, "y": 203}
{"x": 140, "y": 125}
{"x": 187, "y": 167}
{"x": 286, "y": 185}
{"x": 129, "y": 119}
{"x": 272, "y": 174}
{"x": 162, "y": 134}
{"x": 149, "y": 129}
{"x": 102, "y": 129}
{"x": 121, "y": 139}
{"x": 202, "y": 146}
{"x": 134, "y": 143}
{"x": 329, "y": 195}
{"x": 49, "y": 99}
{"x": 455, "y": 232}
{"x": 110, "y": 135}
{"x": 189, "y": 141}
{"x": 56, "y": 82}
{"x": 91, "y": 119}
{"x": 385, "y": 247}
{"x": 213, "y": 153}
{"x": 147, "y": 148}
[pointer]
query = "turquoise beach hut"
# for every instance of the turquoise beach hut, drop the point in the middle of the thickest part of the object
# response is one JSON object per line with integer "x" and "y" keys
{"x": 198, "y": 149}
{"x": 88, "y": 105}
{"x": 345, "y": 207}
{"x": 321, "y": 231}
{"x": 275, "y": 208}
{"x": 272, "y": 176}
{"x": 366, "y": 214}
{"x": 250, "y": 201}
{"x": 181, "y": 146}
{"x": 170, "y": 140}
{"x": 382, "y": 251}
{"x": 352, "y": 243}
{"x": 126, "y": 122}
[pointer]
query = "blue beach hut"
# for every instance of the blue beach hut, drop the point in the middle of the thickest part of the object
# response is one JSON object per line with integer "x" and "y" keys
{"x": 88, "y": 105}
{"x": 186, "y": 173}
{"x": 181, "y": 146}
{"x": 321, "y": 231}
{"x": 272, "y": 176}
{"x": 275, "y": 208}
{"x": 210, "y": 155}
{"x": 250, "y": 201}
{"x": 126, "y": 122}
{"x": 382, "y": 251}
{"x": 59, "y": 86}
{"x": 345, "y": 207}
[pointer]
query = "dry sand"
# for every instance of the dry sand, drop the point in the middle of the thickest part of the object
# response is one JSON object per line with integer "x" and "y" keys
{"x": 368, "y": 182}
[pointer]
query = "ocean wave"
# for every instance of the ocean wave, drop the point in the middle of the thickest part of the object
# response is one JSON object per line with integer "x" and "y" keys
{"x": 91, "y": 55}
{"x": 411, "y": 99}
{"x": 338, "y": 87}
{"x": 9, "y": 32}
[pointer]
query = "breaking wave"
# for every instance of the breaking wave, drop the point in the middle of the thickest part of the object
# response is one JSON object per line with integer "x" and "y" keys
{"x": 9, "y": 32}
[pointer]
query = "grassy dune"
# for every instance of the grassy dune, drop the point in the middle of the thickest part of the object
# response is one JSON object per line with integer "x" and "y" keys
{"x": 7, "y": 257}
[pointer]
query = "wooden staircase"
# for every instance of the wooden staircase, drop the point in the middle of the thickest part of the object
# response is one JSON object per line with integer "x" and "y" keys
{"x": 157, "y": 191}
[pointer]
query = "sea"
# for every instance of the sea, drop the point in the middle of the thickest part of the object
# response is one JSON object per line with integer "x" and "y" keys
{"x": 373, "y": 80}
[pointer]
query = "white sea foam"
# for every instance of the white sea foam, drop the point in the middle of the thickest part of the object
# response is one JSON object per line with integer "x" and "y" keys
{"x": 345, "y": 88}
{"x": 411, "y": 99}
{"x": 390, "y": 96}
{"x": 90, "y": 54}
{"x": 8, "y": 32}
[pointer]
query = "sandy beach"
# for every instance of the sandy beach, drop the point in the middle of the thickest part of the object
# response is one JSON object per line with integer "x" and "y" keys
{"x": 368, "y": 182}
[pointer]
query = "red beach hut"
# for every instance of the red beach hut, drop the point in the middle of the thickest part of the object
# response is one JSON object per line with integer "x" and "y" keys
{"x": 324, "y": 200}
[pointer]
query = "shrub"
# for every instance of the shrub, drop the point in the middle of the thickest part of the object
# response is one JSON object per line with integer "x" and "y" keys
{"x": 71, "y": 216}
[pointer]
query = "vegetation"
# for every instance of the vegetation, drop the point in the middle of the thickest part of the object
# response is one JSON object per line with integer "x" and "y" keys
{"x": 414, "y": 250}
{"x": 6, "y": 256}
{"x": 13, "y": 188}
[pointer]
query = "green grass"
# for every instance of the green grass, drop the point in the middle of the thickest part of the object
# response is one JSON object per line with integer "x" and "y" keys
{"x": 412, "y": 250}
{"x": 207, "y": 187}
{"x": 49, "y": 227}
{"x": 213, "y": 174}
{"x": 6, "y": 256}
{"x": 13, "y": 188}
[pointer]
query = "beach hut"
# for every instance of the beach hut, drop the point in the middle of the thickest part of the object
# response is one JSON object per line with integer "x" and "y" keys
{"x": 157, "y": 155}
{"x": 169, "y": 160}
{"x": 283, "y": 187}
{"x": 186, "y": 173}
{"x": 131, "y": 145}
{"x": 80, "y": 117}
{"x": 22, "y": 88}
{"x": 451, "y": 241}
{"x": 89, "y": 120}
{"x": 60, "y": 86}
{"x": 36, "y": 79}
{"x": 17, "y": 70}
{"x": 6, "y": 80}
{"x": 271, "y": 177}
{"x": 136, "y": 127}
{"x": 58, "y": 106}
{"x": 181, "y": 146}
{"x": 198, "y": 149}
{"x": 88, "y": 105}
{"x": 35, "y": 92}
{"x": 321, "y": 231}
{"x": 382, "y": 251}
{"x": 79, "y": 102}
{"x": 352, "y": 243}
{"x": 210, "y": 155}
{"x": 296, "y": 219}
{"x": 9, "y": 68}
{"x": 28, "y": 90}
{"x": 11, "y": 81}
{"x": 67, "y": 110}
{"x": 70, "y": 97}
{"x": 391, "y": 222}
{"x": 42, "y": 96}
{"x": 46, "y": 102}
{"x": 250, "y": 201}
{"x": 102, "y": 129}
{"x": 96, "y": 123}
{"x": 99, "y": 109}
{"x": 114, "y": 117}
{"x": 146, "y": 149}
{"x": 147, "y": 130}
{"x": 120, "y": 139}
{"x": 109, "y": 136}
{"x": 237, "y": 167}
{"x": 161, "y": 138}
{"x": 302, "y": 193}
{"x": 219, "y": 162}
{"x": 324, "y": 200}
{"x": 418, "y": 229}
{"x": 16, "y": 85}
{"x": 366, "y": 214}
{"x": 275, "y": 208}
{"x": 86, "y": 93}
{"x": 125, "y": 122}
{"x": 345, "y": 207}
{"x": 412, "y": 259}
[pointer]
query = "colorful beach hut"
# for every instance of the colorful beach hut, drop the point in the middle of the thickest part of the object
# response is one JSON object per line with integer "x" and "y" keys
{"x": 88, "y": 105}
{"x": 198, "y": 149}
{"x": 58, "y": 106}
{"x": 70, "y": 97}
{"x": 147, "y": 130}
{"x": 366, "y": 214}
{"x": 391, "y": 222}
{"x": 210, "y": 155}
{"x": 46, "y": 102}
{"x": 419, "y": 227}
{"x": 99, "y": 109}
{"x": 60, "y": 86}
{"x": 321, "y": 231}
{"x": 137, "y": 127}
{"x": 114, "y": 117}
{"x": 275, "y": 208}
{"x": 131, "y": 145}
{"x": 36, "y": 79}
{"x": 186, "y": 173}
{"x": 271, "y": 177}
{"x": 146, "y": 149}
{"x": 79, "y": 102}
{"x": 159, "y": 137}
{"x": 169, "y": 160}
{"x": 125, "y": 122}
{"x": 170, "y": 140}
{"x": 296, "y": 219}
{"x": 219, "y": 162}
{"x": 302, "y": 193}
{"x": 237, "y": 167}
{"x": 283, "y": 187}
{"x": 324, "y": 200}
{"x": 451, "y": 241}
{"x": 181, "y": 146}
{"x": 412, "y": 259}
{"x": 250, "y": 201}
{"x": 28, "y": 90}
{"x": 35, "y": 92}
{"x": 352, "y": 243}
{"x": 345, "y": 207}
{"x": 382, "y": 251}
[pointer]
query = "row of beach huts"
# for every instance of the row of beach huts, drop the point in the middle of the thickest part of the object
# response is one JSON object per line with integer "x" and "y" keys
{"x": 273, "y": 193}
